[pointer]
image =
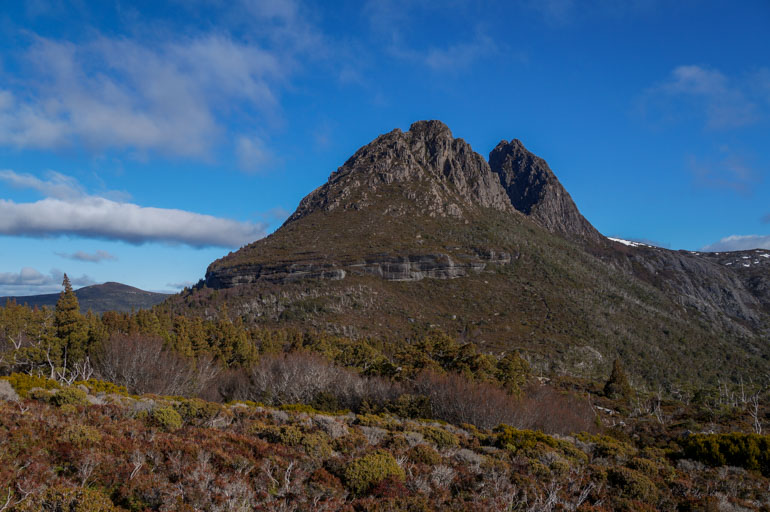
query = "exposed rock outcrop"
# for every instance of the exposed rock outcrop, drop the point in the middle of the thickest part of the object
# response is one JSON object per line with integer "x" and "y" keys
{"x": 444, "y": 174}
{"x": 388, "y": 267}
{"x": 534, "y": 190}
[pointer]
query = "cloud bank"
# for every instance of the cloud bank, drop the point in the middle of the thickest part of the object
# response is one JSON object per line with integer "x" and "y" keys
{"x": 167, "y": 94}
{"x": 95, "y": 257}
{"x": 96, "y": 217}
{"x": 740, "y": 243}
{"x": 723, "y": 102}
{"x": 30, "y": 281}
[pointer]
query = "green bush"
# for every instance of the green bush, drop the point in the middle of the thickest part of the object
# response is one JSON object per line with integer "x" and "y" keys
{"x": 410, "y": 406}
{"x": 316, "y": 445}
{"x": 166, "y": 418}
{"x": 69, "y": 396}
{"x": 62, "y": 499}
{"x": 527, "y": 441}
{"x": 608, "y": 447}
{"x": 22, "y": 383}
{"x": 632, "y": 484}
{"x": 195, "y": 409}
{"x": 646, "y": 466}
{"x": 748, "y": 451}
{"x": 103, "y": 386}
{"x": 424, "y": 454}
{"x": 81, "y": 435}
{"x": 363, "y": 473}
{"x": 440, "y": 437}
{"x": 287, "y": 434}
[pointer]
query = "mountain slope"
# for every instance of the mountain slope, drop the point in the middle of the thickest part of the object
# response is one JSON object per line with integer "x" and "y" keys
{"x": 417, "y": 231}
{"x": 99, "y": 298}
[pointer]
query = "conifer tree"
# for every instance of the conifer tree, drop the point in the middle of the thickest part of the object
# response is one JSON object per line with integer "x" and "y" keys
{"x": 70, "y": 328}
{"x": 617, "y": 386}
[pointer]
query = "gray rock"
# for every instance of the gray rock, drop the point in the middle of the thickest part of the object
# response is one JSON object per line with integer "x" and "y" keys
{"x": 468, "y": 457}
{"x": 534, "y": 190}
{"x": 330, "y": 426}
{"x": 7, "y": 392}
{"x": 279, "y": 416}
{"x": 414, "y": 438}
{"x": 374, "y": 435}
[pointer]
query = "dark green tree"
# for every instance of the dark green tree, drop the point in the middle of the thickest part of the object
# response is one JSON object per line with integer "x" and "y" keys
{"x": 618, "y": 386}
{"x": 70, "y": 329}
{"x": 513, "y": 372}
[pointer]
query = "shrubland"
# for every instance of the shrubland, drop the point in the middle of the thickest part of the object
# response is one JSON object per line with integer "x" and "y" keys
{"x": 149, "y": 411}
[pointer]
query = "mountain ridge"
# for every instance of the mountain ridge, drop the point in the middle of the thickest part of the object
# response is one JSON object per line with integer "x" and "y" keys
{"x": 417, "y": 231}
{"x": 99, "y": 298}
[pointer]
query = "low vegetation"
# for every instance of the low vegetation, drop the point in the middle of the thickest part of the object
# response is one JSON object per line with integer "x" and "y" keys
{"x": 152, "y": 412}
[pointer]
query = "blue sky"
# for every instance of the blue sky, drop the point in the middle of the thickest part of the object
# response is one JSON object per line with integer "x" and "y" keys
{"x": 139, "y": 141}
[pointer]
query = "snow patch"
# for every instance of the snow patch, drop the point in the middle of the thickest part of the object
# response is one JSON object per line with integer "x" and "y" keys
{"x": 628, "y": 242}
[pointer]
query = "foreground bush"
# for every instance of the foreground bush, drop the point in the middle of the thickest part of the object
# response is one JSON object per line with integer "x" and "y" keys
{"x": 364, "y": 473}
{"x": 748, "y": 451}
{"x": 62, "y": 499}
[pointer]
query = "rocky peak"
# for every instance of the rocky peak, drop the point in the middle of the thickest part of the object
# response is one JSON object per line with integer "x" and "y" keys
{"x": 534, "y": 190}
{"x": 445, "y": 176}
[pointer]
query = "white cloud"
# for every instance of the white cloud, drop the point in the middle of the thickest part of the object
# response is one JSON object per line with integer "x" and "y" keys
{"x": 722, "y": 101}
{"x": 170, "y": 97}
{"x": 460, "y": 55}
{"x": 563, "y": 12}
{"x": 726, "y": 171}
{"x": 252, "y": 153}
{"x": 57, "y": 185}
{"x": 390, "y": 20}
{"x": 95, "y": 257}
{"x": 30, "y": 281}
{"x": 97, "y": 217}
{"x": 740, "y": 243}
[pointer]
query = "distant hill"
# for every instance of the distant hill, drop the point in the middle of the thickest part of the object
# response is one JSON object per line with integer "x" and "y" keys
{"x": 99, "y": 298}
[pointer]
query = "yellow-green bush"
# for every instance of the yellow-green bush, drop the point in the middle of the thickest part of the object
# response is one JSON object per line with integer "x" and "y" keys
{"x": 646, "y": 466}
{"x": 22, "y": 383}
{"x": 749, "y": 451}
{"x": 608, "y": 447}
{"x": 166, "y": 418}
{"x": 560, "y": 467}
{"x": 440, "y": 437}
{"x": 316, "y": 445}
{"x": 365, "y": 472}
{"x": 632, "y": 484}
{"x": 424, "y": 454}
{"x": 103, "y": 386}
{"x": 62, "y": 499}
{"x": 527, "y": 441}
{"x": 69, "y": 396}
{"x": 286, "y": 434}
{"x": 195, "y": 409}
{"x": 350, "y": 442}
{"x": 81, "y": 435}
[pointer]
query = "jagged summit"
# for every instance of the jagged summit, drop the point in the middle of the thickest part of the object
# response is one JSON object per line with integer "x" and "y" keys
{"x": 534, "y": 190}
{"x": 422, "y": 200}
{"x": 441, "y": 175}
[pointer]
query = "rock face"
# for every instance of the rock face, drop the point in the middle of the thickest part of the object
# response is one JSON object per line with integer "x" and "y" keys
{"x": 445, "y": 175}
{"x": 534, "y": 190}
{"x": 718, "y": 285}
{"x": 390, "y": 268}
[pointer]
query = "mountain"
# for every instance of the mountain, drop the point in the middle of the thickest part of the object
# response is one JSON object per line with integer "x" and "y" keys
{"x": 416, "y": 231}
{"x": 99, "y": 298}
